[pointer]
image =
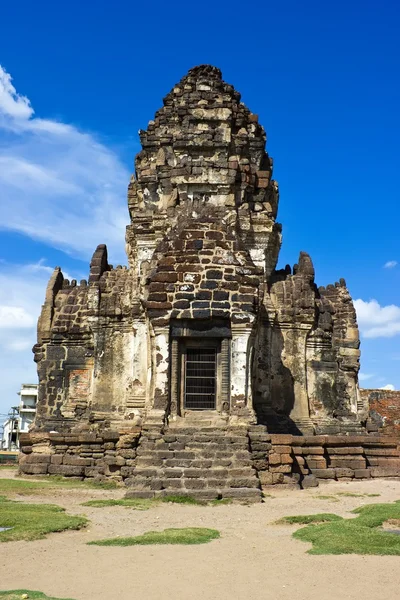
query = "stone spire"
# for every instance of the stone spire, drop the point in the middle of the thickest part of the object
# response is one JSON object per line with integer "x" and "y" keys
{"x": 205, "y": 147}
{"x": 203, "y": 143}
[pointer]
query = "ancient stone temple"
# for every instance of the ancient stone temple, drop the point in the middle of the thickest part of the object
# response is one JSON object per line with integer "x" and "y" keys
{"x": 200, "y": 342}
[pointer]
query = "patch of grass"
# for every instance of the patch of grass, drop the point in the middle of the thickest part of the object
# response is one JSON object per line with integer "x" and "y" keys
{"x": 136, "y": 503}
{"x": 331, "y": 498}
{"x": 145, "y": 504}
{"x": 186, "y": 535}
{"x": 307, "y": 519}
{"x": 59, "y": 480}
{"x": 18, "y": 594}
{"x": 354, "y": 495}
{"x": 355, "y": 536}
{"x": 221, "y": 501}
{"x": 175, "y": 499}
{"x": 14, "y": 466}
{"x": 34, "y": 521}
{"x": 47, "y": 484}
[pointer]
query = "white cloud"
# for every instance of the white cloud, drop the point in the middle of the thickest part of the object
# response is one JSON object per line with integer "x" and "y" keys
{"x": 57, "y": 183}
{"x": 389, "y": 386}
{"x": 390, "y": 264}
{"x": 14, "y": 317}
{"x": 22, "y": 292}
{"x": 19, "y": 344}
{"x": 12, "y": 104}
{"x": 375, "y": 320}
{"x": 365, "y": 376}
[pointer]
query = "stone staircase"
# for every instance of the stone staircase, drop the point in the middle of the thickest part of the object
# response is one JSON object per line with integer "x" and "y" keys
{"x": 202, "y": 461}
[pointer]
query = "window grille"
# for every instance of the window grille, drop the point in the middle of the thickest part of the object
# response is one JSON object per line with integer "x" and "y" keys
{"x": 200, "y": 378}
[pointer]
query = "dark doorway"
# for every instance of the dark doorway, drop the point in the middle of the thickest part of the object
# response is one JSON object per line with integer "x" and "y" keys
{"x": 200, "y": 369}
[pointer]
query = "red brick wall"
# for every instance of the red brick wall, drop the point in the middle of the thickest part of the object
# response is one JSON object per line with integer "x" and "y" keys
{"x": 79, "y": 384}
{"x": 387, "y": 405}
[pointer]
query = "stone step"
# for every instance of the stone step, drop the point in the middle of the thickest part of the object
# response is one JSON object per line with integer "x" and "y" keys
{"x": 192, "y": 472}
{"x": 188, "y": 460}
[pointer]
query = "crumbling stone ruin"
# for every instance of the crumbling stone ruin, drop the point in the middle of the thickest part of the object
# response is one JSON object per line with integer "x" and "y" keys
{"x": 183, "y": 371}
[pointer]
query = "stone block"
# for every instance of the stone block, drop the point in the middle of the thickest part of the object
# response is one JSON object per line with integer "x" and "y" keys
{"x": 197, "y": 484}
{"x": 265, "y": 477}
{"x": 280, "y": 449}
{"x": 243, "y": 482}
{"x": 313, "y": 450}
{"x": 280, "y": 468}
{"x": 385, "y": 472}
{"x": 244, "y": 494}
{"x": 127, "y": 453}
{"x": 316, "y": 463}
{"x": 173, "y": 473}
{"x": 76, "y": 461}
{"x": 362, "y": 473}
{"x": 309, "y": 481}
{"x": 139, "y": 494}
{"x": 324, "y": 473}
{"x": 274, "y": 459}
{"x": 349, "y": 450}
{"x": 344, "y": 472}
{"x": 281, "y": 439}
{"x": 173, "y": 484}
{"x": 126, "y": 471}
{"x": 66, "y": 470}
{"x": 93, "y": 471}
{"x": 34, "y": 469}
{"x": 35, "y": 458}
{"x": 286, "y": 459}
{"x": 183, "y": 455}
{"x": 156, "y": 484}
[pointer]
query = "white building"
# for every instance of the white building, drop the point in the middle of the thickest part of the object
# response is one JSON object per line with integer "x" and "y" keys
{"x": 27, "y": 405}
{"x": 20, "y": 417}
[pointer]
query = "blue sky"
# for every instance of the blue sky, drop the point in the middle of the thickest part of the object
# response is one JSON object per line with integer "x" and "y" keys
{"x": 86, "y": 76}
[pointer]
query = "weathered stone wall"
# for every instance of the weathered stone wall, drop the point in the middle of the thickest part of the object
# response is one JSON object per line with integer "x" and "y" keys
{"x": 109, "y": 456}
{"x": 200, "y": 463}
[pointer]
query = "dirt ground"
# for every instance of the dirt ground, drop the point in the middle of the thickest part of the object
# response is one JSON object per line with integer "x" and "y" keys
{"x": 254, "y": 558}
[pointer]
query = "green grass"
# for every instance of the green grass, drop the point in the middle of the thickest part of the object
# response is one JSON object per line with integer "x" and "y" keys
{"x": 136, "y": 503}
{"x": 345, "y": 494}
{"x": 145, "y": 504}
{"x": 186, "y": 535}
{"x": 176, "y": 499}
{"x": 361, "y": 535}
{"x": 331, "y": 498}
{"x": 307, "y": 519}
{"x": 34, "y": 521}
{"x": 18, "y": 594}
{"x": 46, "y": 484}
{"x": 354, "y": 495}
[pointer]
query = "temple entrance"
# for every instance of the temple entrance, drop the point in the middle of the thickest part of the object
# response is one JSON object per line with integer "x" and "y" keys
{"x": 200, "y": 378}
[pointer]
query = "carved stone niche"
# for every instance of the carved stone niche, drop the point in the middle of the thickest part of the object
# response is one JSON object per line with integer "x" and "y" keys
{"x": 78, "y": 387}
{"x": 200, "y": 367}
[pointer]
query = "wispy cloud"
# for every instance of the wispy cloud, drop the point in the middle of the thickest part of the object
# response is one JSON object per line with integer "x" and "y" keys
{"x": 389, "y": 386}
{"x": 57, "y": 183}
{"x": 375, "y": 320}
{"x": 390, "y": 264}
{"x": 365, "y": 376}
{"x": 22, "y": 292}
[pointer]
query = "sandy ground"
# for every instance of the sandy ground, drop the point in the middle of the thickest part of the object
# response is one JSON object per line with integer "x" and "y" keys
{"x": 254, "y": 558}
